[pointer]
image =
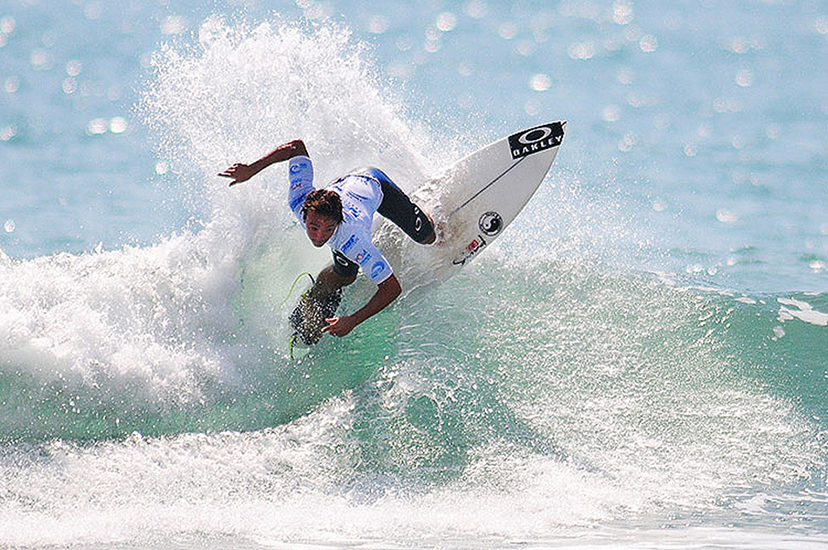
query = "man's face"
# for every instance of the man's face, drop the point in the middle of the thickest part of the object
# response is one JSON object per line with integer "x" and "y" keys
{"x": 320, "y": 228}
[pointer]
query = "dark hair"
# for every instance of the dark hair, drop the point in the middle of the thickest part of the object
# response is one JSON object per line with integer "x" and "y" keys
{"x": 325, "y": 203}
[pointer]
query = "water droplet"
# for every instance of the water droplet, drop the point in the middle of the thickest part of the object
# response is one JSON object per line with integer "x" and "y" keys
{"x": 648, "y": 43}
{"x": 507, "y": 31}
{"x": 70, "y": 85}
{"x": 581, "y": 50}
{"x": 476, "y": 9}
{"x": 622, "y": 12}
{"x": 7, "y": 24}
{"x": 173, "y": 24}
{"x": 74, "y": 67}
{"x": 540, "y": 82}
{"x": 446, "y": 21}
{"x": 744, "y": 78}
{"x": 118, "y": 125}
{"x": 8, "y": 132}
{"x": 611, "y": 113}
{"x": 378, "y": 24}
{"x": 726, "y": 216}
{"x": 97, "y": 126}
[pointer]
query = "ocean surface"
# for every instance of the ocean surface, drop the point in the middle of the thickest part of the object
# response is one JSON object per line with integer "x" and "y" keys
{"x": 640, "y": 361}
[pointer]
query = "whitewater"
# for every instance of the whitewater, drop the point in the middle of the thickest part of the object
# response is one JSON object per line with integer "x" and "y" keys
{"x": 640, "y": 361}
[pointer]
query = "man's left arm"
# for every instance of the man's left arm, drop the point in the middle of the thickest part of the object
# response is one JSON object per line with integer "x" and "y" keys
{"x": 387, "y": 292}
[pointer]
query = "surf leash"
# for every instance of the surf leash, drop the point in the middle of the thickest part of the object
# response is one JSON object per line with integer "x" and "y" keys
{"x": 292, "y": 341}
{"x": 293, "y": 286}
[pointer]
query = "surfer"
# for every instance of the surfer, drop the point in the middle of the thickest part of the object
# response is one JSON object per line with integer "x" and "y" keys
{"x": 341, "y": 215}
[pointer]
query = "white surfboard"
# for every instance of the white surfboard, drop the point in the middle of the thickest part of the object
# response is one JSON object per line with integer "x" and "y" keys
{"x": 473, "y": 202}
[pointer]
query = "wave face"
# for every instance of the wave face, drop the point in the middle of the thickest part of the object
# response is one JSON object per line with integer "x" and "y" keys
{"x": 536, "y": 394}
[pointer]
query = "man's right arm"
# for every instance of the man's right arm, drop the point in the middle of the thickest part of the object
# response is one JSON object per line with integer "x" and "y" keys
{"x": 242, "y": 172}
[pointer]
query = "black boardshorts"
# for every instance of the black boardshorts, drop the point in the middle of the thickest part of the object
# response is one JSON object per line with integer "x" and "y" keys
{"x": 397, "y": 207}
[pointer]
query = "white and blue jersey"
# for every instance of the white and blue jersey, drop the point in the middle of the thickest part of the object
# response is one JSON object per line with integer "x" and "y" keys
{"x": 361, "y": 197}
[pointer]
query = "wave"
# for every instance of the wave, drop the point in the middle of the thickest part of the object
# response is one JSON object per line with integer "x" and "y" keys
{"x": 537, "y": 393}
{"x": 540, "y": 374}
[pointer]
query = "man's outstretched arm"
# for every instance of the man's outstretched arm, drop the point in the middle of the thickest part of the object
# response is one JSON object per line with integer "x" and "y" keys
{"x": 387, "y": 292}
{"x": 242, "y": 172}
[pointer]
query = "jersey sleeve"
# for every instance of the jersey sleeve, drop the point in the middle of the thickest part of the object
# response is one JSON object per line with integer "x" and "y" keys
{"x": 369, "y": 258}
{"x": 376, "y": 266}
{"x": 300, "y": 175}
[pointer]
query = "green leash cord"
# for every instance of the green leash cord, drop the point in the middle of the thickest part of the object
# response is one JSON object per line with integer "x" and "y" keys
{"x": 292, "y": 341}
{"x": 293, "y": 286}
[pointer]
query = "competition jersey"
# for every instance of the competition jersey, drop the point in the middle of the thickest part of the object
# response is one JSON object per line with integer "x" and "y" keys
{"x": 361, "y": 196}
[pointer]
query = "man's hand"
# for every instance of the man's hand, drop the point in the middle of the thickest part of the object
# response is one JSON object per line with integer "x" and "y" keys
{"x": 340, "y": 326}
{"x": 239, "y": 172}
{"x": 387, "y": 292}
{"x": 243, "y": 172}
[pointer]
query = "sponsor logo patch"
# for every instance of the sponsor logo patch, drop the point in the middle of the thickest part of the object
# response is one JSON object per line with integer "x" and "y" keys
{"x": 490, "y": 223}
{"x": 377, "y": 269}
{"x": 349, "y": 244}
{"x": 363, "y": 257}
{"x": 471, "y": 250}
{"x": 350, "y": 209}
{"x": 535, "y": 140}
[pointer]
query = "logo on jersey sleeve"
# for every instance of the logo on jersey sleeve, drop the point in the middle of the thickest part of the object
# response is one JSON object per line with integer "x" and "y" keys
{"x": 363, "y": 257}
{"x": 349, "y": 244}
{"x": 378, "y": 269}
{"x": 297, "y": 165}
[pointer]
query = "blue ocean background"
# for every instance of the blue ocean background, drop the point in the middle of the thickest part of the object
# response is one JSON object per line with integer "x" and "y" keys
{"x": 640, "y": 361}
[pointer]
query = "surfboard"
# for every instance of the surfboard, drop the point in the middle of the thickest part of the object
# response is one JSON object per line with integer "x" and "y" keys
{"x": 472, "y": 202}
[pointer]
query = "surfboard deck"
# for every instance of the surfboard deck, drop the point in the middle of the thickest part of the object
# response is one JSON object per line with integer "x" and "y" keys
{"x": 472, "y": 203}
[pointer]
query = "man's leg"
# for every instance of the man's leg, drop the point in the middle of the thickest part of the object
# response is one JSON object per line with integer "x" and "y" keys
{"x": 329, "y": 281}
{"x": 397, "y": 207}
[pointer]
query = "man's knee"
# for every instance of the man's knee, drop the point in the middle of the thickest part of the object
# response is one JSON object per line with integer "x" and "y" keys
{"x": 329, "y": 281}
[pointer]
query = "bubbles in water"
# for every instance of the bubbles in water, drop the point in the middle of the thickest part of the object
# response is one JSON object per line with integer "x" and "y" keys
{"x": 378, "y": 24}
{"x": 7, "y": 24}
{"x": 622, "y": 12}
{"x": 476, "y": 9}
{"x": 648, "y": 43}
{"x": 11, "y": 85}
{"x": 69, "y": 86}
{"x": 446, "y": 21}
{"x": 7, "y": 133}
{"x": 581, "y": 50}
{"x": 97, "y": 126}
{"x": 611, "y": 113}
{"x": 74, "y": 67}
{"x": 507, "y": 30}
{"x": 174, "y": 24}
{"x": 118, "y": 125}
{"x": 726, "y": 216}
{"x": 40, "y": 60}
{"x": 540, "y": 82}
{"x": 744, "y": 78}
